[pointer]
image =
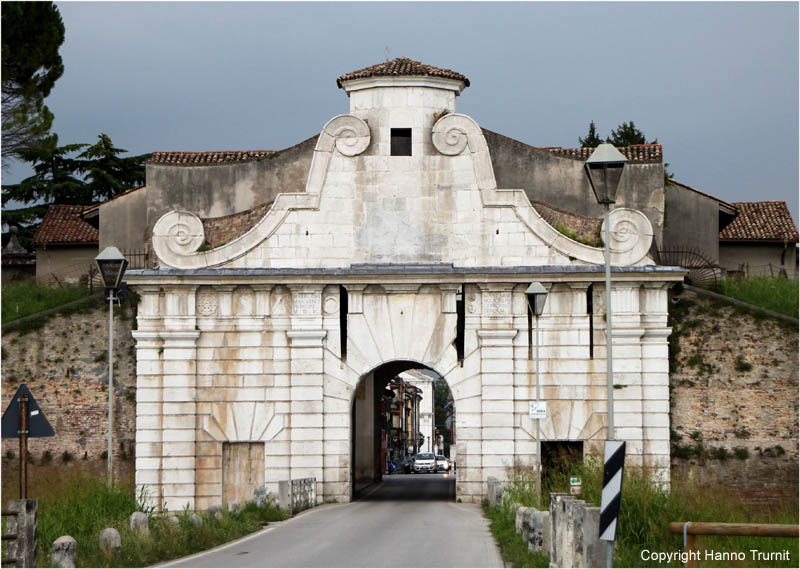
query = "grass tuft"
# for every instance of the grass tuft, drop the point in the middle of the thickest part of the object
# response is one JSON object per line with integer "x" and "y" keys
{"x": 646, "y": 510}
{"x": 23, "y": 298}
{"x": 778, "y": 294}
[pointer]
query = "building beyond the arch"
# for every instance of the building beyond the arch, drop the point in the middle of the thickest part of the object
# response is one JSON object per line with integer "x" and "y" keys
{"x": 255, "y": 329}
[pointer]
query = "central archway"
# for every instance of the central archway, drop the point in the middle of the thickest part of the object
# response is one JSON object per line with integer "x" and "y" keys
{"x": 401, "y": 408}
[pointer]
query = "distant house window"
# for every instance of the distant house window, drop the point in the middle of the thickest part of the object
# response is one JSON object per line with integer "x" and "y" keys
{"x": 401, "y": 142}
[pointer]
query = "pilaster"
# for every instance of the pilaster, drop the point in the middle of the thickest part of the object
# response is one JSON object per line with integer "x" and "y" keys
{"x": 306, "y": 345}
{"x": 179, "y": 418}
{"x": 149, "y": 414}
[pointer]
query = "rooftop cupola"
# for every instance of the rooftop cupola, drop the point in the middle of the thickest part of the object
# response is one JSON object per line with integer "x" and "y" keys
{"x": 400, "y": 100}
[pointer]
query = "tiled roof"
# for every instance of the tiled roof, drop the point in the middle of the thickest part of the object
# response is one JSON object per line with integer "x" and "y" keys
{"x": 207, "y": 157}
{"x": 639, "y": 153}
{"x": 761, "y": 221}
{"x": 63, "y": 225}
{"x": 399, "y": 67}
{"x": 636, "y": 153}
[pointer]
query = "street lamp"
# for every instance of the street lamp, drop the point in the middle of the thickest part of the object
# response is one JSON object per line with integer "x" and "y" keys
{"x": 604, "y": 169}
{"x": 537, "y": 296}
{"x": 111, "y": 265}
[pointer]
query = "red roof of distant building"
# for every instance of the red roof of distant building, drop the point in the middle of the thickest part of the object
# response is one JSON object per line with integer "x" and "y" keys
{"x": 402, "y": 66}
{"x": 761, "y": 221}
{"x": 207, "y": 157}
{"x": 63, "y": 225}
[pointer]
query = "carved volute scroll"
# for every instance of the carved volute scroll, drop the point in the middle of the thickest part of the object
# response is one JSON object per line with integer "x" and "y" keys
{"x": 350, "y": 133}
{"x": 631, "y": 234}
{"x": 179, "y": 232}
{"x": 450, "y": 134}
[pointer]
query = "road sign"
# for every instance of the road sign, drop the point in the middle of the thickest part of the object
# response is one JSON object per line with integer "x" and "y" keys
{"x": 537, "y": 410}
{"x": 574, "y": 485}
{"x": 613, "y": 462}
{"x": 37, "y": 422}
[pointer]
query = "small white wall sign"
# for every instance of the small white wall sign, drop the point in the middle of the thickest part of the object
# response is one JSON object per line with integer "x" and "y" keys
{"x": 537, "y": 410}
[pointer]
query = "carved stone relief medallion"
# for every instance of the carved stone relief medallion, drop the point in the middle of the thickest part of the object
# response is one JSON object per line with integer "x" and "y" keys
{"x": 331, "y": 304}
{"x": 206, "y": 303}
{"x": 472, "y": 303}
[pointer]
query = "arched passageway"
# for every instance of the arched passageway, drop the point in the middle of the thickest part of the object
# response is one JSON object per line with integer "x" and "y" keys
{"x": 402, "y": 409}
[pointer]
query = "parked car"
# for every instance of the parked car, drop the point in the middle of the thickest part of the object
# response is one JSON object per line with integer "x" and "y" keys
{"x": 407, "y": 464}
{"x": 424, "y": 462}
{"x": 442, "y": 463}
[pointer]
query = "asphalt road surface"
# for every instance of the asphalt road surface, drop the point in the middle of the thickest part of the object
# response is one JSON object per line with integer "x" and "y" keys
{"x": 405, "y": 521}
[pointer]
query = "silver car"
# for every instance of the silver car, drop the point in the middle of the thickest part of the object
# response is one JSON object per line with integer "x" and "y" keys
{"x": 442, "y": 463}
{"x": 425, "y": 462}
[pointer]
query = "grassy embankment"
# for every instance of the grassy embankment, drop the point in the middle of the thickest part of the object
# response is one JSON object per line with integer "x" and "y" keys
{"x": 778, "y": 294}
{"x": 75, "y": 500}
{"x": 24, "y": 298}
{"x": 645, "y": 514}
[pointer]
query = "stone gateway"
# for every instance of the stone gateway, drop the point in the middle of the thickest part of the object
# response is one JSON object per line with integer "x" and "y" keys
{"x": 401, "y": 253}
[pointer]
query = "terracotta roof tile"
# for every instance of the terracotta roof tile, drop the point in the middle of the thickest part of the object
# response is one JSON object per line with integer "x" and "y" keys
{"x": 207, "y": 157}
{"x": 761, "y": 221}
{"x": 402, "y": 66}
{"x": 63, "y": 225}
{"x": 638, "y": 153}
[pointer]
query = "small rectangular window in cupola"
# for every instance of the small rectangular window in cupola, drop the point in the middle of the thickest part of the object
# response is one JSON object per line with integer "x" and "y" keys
{"x": 401, "y": 142}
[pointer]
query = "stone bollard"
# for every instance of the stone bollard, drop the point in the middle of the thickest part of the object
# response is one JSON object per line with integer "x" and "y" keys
{"x": 23, "y": 525}
{"x": 195, "y": 520}
{"x": 64, "y": 552}
{"x": 110, "y": 541}
{"x": 140, "y": 524}
{"x": 233, "y": 506}
{"x": 215, "y": 510}
{"x": 260, "y": 495}
{"x": 173, "y": 520}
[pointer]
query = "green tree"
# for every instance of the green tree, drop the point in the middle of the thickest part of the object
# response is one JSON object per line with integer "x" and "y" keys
{"x": 32, "y": 35}
{"x": 107, "y": 173}
{"x": 60, "y": 177}
{"x": 591, "y": 140}
{"x": 56, "y": 179}
{"x": 627, "y": 134}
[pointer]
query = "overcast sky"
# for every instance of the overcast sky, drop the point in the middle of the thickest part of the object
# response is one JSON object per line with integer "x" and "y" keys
{"x": 716, "y": 83}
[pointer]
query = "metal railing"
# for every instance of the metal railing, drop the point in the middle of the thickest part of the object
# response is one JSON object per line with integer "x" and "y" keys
{"x": 690, "y": 530}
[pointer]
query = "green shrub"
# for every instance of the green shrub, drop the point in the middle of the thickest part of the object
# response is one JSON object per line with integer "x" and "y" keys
{"x": 741, "y": 365}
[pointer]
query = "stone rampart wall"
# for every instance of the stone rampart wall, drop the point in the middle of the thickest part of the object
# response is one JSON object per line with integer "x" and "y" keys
{"x": 734, "y": 399}
{"x": 64, "y": 365}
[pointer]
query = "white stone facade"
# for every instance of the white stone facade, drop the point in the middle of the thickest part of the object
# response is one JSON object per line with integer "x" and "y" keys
{"x": 243, "y": 343}
{"x": 426, "y": 407}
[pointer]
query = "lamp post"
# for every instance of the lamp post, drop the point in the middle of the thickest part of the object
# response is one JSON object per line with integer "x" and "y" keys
{"x": 537, "y": 296}
{"x": 604, "y": 169}
{"x": 111, "y": 265}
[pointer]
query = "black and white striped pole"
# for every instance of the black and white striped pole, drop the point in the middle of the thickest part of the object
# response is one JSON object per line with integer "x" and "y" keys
{"x": 613, "y": 465}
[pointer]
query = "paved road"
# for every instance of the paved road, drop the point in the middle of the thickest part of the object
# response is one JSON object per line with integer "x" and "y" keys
{"x": 405, "y": 521}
